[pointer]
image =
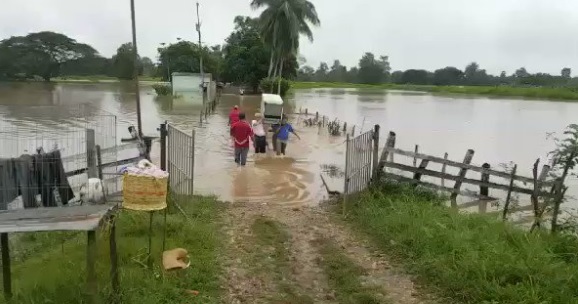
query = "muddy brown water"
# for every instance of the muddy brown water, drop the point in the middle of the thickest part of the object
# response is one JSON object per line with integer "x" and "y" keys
{"x": 500, "y": 130}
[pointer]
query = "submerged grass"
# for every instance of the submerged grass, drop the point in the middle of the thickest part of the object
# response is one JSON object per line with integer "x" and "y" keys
{"x": 468, "y": 258}
{"x": 553, "y": 93}
{"x": 345, "y": 276}
{"x": 270, "y": 233}
{"x": 56, "y": 273}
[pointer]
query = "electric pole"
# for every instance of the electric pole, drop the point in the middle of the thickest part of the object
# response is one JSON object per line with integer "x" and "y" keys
{"x": 135, "y": 68}
{"x": 198, "y": 26}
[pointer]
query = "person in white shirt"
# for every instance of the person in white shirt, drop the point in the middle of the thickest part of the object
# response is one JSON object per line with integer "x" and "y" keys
{"x": 260, "y": 135}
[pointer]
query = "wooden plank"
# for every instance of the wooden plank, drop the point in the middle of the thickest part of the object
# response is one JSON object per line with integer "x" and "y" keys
{"x": 433, "y": 186}
{"x": 444, "y": 166}
{"x": 471, "y": 167}
{"x": 73, "y": 218}
{"x": 465, "y": 180}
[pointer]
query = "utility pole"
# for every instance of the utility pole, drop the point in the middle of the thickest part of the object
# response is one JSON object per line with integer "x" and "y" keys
{"x": 198, "y": 26}
{"x": 135, "y": 68}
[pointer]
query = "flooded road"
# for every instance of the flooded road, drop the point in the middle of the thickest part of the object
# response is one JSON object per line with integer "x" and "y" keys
{"x": 499, "y": 130}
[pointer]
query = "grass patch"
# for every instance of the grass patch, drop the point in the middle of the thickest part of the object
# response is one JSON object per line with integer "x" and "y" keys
{"x": 552, "y": 93}
{"x": 344, "y": 276}
{"x": 56, "y": 274}
{"x": 269, "y": 233}
{"x": 468, "y": 258}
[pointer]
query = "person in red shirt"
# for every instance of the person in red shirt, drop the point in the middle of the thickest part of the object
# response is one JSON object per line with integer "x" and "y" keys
{"x": 242, "y": 134}
{"x": 234, "y": 115}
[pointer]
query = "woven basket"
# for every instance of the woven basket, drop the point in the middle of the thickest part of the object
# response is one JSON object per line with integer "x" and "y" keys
{"x": 144, "y": 193}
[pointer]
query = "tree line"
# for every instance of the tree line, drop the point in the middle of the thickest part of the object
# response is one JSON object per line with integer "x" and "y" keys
{"x": 371, "y": 70}
{"x": 46, "y": 55}
{"x": 258, "y": 49}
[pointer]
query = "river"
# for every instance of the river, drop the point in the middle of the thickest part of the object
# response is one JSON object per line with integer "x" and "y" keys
{"x": 500, "y": 130}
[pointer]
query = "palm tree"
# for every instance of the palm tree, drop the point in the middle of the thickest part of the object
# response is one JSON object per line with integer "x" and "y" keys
{"x": 282, "y": 22}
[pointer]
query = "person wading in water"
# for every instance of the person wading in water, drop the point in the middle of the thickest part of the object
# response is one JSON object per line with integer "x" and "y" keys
{"x": 283, "y": 134}
{"x": 260, "y": 135}
{"x": 234, "y": 115}
{"x": 242, "y": 133}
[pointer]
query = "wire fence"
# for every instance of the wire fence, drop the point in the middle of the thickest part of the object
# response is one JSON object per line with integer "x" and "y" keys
{"x": 180, "y": 160}
{"x": 52, "y": 142}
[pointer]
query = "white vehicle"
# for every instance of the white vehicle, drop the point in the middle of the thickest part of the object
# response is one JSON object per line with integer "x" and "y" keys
{"x": 272, "y": 108}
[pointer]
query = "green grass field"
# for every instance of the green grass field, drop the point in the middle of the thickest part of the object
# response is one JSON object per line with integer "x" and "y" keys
{"x": 50, "y": 267}
{"x": 467, "y": 258}
{"x": 497, "y": 91}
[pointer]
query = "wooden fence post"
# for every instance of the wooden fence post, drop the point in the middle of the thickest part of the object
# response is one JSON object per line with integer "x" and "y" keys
{"x": 344, "y": 127}
{"x": 417, "y": 175}
{"x": 509, "y": 195}
{"x": 99, "y": 162}
{"x": 375, "y": 152}
{"x": 415, "y": 157}
{"x": 461, "y": 175}
{"x": 163, "y": 142}
{"x": 484, "y": 189}
{"x": 389, "y": 144}
{"x": 90, "y": 153}
{"x": 444, "y": 165}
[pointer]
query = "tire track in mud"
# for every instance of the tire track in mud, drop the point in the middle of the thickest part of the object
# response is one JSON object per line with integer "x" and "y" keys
{"x": 249, "y": 282}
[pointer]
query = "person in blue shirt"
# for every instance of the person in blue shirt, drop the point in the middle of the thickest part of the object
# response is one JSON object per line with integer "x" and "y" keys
{"x": 282, "y": 134}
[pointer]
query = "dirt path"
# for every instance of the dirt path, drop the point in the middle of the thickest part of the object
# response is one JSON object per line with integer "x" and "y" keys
{"x": 276, "y": 254}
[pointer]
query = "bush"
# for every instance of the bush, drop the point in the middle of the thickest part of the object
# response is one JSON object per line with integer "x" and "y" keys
{"x": 268, "y": 83}
{"x": 163, "y": 89}
{"x": 468, "y": 258}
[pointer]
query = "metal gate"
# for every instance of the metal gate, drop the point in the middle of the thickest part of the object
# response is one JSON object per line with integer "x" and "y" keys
{"x": 180, "y": 160}
{"x": 361, "y": 157}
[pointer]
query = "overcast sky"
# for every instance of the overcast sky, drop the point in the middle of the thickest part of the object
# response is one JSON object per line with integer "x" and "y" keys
{"x": 540, "y": 35}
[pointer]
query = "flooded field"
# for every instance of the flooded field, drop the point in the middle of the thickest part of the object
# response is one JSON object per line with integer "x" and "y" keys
{"x": 499, "y": 130}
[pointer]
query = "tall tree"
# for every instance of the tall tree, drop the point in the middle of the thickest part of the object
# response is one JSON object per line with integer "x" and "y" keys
{"x": 41, "y": 54}
{"x": 372, "y": 70}
{"x": 282, "y": 22}
{"x": 566, "y": 73}
{"x": 123, "y": 63}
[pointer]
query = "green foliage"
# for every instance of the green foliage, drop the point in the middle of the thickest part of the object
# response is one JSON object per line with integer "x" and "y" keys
{"x": 371, "y": 70}
{"x": 39, "y": 54}
{"x": 245, "y": 55}
{"x": 162, "y": 89}
{"x": 183, "y": 56}
{"x": 468, "y": 258}
{"x": 123, "y": 63}
{"x": 55, "y": 271}
{"x": 270, "y": 85}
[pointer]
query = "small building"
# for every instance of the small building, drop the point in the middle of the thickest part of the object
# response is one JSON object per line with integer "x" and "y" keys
{"x": 188, "y": 86}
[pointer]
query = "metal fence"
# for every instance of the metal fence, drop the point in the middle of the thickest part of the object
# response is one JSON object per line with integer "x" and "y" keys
{"x": 180, "y": 160}
{"x": 361, "y": 156}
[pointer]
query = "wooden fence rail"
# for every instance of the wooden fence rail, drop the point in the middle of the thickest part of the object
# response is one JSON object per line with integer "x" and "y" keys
{"x": 531, "y": 186}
